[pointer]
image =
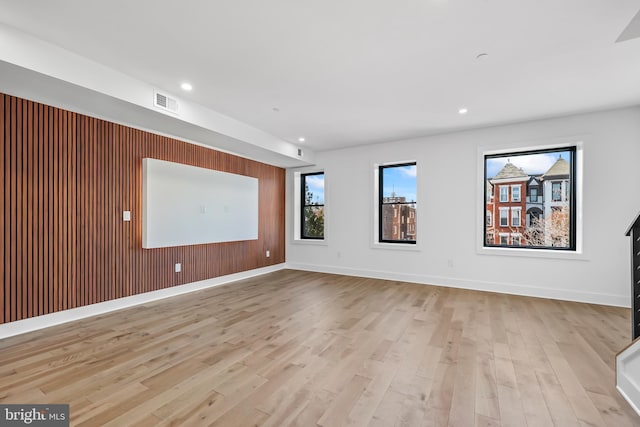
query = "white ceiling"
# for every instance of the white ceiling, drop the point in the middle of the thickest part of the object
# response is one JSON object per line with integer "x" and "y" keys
{"x": 350, "y": 72}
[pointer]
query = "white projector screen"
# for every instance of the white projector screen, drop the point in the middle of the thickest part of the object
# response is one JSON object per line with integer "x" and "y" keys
{"x": 188, "y": 205}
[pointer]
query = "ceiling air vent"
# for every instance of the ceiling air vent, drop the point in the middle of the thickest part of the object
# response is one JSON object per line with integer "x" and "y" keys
{"x": 165, "y": 102}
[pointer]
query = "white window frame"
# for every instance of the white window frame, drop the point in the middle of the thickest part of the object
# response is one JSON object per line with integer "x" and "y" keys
{"x": 501, "y": 235}
{"x": 515, "y": 236}
{"x": 519, "y": 188}
{"x": 375, "y": 217}
{"x": 297, "y": 208}
{"x": 581, "y": 253}
{"x": 513, "y": 215}
{"x": 553, "y": 193}
{"x": 506, "y": 224}
{"x": 506, "y": 193}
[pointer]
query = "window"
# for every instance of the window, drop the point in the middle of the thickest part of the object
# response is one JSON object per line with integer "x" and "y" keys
{"x": 397, "y": 203}
{"x": 312, "y": 197}
{"x": 556, "y": 191}
{"x": 504, "y": 239}
{"x": 515, "y": 217}
{"x": 504, "y": 217}
{"x": 490, "y": 237}
{"x": 489, "y": 219}
{"x": 516, "y": 239}
{"x": 515, "y": 193}
{"x": 504, "y": 193}
{"x": 551, "y": 224}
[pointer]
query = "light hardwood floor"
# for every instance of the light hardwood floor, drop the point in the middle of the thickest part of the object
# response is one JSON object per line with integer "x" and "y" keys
{"x": 306, "y": 349}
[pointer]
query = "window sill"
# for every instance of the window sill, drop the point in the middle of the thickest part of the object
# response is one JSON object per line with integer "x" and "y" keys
{"x": 534, "y": 253}
{"x": 411, "y": 247}
{"x": 310, "y": 242}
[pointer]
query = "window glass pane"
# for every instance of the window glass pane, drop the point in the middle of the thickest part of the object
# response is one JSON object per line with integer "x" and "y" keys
{"x": 399, "y": 182}
{"x": 504, "y": 217}
{"x": 515, "y": 217}
{"x": 313, "y": 222}
{"x": 314, "y": 189}
{"x": 556, "y": 191}
{"x": 515, "y": 193}
{"x": 504, "y": 193}
{"x": 547, "y": 176}
{"x": 398, "y": 203}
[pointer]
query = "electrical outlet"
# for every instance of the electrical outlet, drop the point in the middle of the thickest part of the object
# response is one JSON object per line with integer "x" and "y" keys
{"x": 178, "y": 267}
{"x": 268, "y": 254}
{"x": 126, "y": 215}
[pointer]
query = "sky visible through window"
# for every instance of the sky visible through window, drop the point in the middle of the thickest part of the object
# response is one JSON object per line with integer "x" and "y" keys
{"x": 531, "y": 164}
{"x": 401, "y": 181}
{"x": 315, "y": 183}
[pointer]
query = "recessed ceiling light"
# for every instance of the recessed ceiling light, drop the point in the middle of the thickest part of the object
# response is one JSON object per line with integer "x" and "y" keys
{"x": 463, "y": 111}
{"x": 186, "y": 86}
{"x": 301, "y": 139}
{"x": 482, "y": 56}
{"x": 276, "y": 109}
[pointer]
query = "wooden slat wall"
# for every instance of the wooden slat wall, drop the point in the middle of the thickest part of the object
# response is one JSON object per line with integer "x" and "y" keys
{"x": 67, "y": 178}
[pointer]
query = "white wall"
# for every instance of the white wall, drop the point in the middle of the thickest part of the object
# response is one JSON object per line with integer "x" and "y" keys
{"x": 448, "y": 223}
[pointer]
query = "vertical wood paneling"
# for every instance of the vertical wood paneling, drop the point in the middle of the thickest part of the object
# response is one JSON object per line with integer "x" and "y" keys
{"x": 19, "y": 194}
{"x": 55, "y": 258}
{"x": 46, "y": 210}
{"x": 29, "y": 166}
{"x": 38, "y": 209}
{"x": 66, "y": 180}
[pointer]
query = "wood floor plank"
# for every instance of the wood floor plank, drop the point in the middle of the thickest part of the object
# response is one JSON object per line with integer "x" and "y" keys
{"x": 535, "y": 408}
{"x": 295, "y": 348}
{"x": 381, "y": 375}
{"x": 486, "y": 393}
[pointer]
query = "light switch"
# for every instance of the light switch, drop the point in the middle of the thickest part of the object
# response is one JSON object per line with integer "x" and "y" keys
{"x": 126, "y": 216}
{"x": 178, "y": 267}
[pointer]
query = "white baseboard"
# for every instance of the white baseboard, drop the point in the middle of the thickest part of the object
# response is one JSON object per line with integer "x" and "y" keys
{"x": 628, "y": 374}
{"x": 505, "y": 288}
{"x": 34, "y": 323}
{"x": 628, "y": 399}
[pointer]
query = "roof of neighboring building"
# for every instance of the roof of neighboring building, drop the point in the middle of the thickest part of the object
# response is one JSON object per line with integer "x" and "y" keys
{"x": 510, "y": 171}
{"x": 559, "y": 168}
